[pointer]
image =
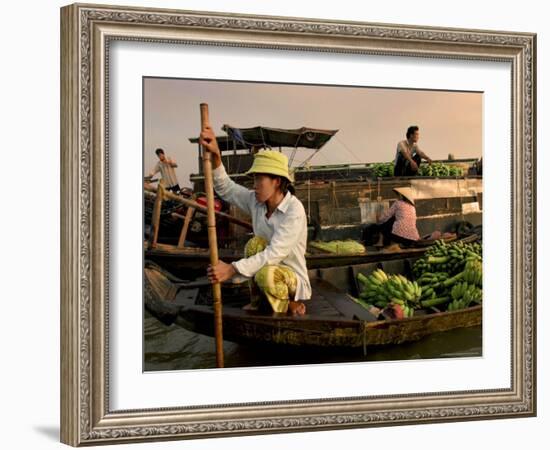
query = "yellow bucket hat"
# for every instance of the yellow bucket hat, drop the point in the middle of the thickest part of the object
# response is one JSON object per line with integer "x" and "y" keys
{"x": 272, "y": 162}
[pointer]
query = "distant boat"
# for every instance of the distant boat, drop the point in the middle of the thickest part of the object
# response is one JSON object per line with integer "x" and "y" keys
{"x": 338, "y": 199}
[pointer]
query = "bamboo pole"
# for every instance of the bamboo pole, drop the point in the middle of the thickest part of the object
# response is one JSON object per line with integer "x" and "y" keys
{"x": 188, "y": 215}
{"x": 155, "y": 220}
{"x": 212, "y": 239}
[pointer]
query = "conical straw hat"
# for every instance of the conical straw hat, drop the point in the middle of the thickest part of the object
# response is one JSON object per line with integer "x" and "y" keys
{"x": 406, "y": 192}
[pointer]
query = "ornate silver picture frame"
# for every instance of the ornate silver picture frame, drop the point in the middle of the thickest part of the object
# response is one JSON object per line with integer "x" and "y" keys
{"x": 87, "y": 34}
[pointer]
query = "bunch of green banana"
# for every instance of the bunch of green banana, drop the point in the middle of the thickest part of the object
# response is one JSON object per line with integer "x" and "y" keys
{"x": 455, "y": 171}
{"x": 373, "y": 291}
{"x": 431, "y": 278}
{"x": 421, "y": 265}
{"x": 430, "y": 282}
{"x": 381, "y": 170}
{"x": 450, "y": 258}
{"x": 433, "y": 293}
{"x": 463, "y": 294}
{"x": 403, "y": 291}
{"x": 473, "y": 273}
{"x": 443, "y": 267}
{"x": 383, "y": 290}
{"x": 437, "y": 169}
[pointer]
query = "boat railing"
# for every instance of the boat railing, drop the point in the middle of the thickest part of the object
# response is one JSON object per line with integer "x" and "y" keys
{"x": 192, "y": 206}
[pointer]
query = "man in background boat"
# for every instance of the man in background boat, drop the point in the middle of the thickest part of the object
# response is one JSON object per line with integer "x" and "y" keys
{"x": 275, "y": 257}
{"x": 398, "y": 224}
{"x": 166, "y": 167}
{"x": 408, "y": 155}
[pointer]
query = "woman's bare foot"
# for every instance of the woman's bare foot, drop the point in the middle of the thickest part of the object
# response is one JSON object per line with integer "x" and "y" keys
{"x": 296, "y": 308}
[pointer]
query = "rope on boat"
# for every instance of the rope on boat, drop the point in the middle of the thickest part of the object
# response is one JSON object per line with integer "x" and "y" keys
{"x": 294, "y": 150}
{"x": 460, "y": 198}
{"x": 342, "y": 176}
{"x": 347, "y": 148}
{"x": 334, "y": 196}
{"x": 370, "y": 190}
{"x": 263, "y": 137}
{"x": 308, "y": 194}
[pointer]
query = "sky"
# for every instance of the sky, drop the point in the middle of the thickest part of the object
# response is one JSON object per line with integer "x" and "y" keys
{"x": 371, "y": 121}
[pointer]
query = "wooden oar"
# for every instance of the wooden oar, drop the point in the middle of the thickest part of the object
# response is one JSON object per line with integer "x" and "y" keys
{"x": 212, "y": 239}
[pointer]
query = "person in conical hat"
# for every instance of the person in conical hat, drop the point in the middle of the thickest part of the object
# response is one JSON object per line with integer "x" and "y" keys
{"x": 405, "y": 194}
{"x": 398, "y": 224}
{"x": 275, "y": 257}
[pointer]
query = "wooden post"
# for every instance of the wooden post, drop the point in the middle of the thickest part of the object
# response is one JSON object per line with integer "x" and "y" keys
{"x": 188, "y": 215}
{"x": 212, "y": 240}
{"x": 155, "y": 219}
{"x": 379, "y": 206}
{"x": 198, "y": 207}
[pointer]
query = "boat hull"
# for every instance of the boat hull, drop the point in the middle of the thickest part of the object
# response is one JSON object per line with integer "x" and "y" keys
{"x": 334, "y": 321}
{"x": 189, "y": 263}
{"x": 323, "y": 333}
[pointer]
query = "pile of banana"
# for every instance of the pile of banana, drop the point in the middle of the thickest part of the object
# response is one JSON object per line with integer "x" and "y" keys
{"x": 450, "y": 258}
{"x": 439, "y": 170}
{"x": 432, "y": 292}
{"x": 473, "y": 272}
{"x": 463, "y": 294}
{"x": 384, "y": 290}
{"x": 381, "y": 170}
{"x": 450, "y": 274}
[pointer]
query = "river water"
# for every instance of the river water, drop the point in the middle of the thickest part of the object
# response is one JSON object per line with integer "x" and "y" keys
{"x": 174, "y": 348}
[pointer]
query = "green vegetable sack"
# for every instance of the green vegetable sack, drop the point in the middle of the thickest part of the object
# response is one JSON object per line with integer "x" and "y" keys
{"x": 346, "y": 247}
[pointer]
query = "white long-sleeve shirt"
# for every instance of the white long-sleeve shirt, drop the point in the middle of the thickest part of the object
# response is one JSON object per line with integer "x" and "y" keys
{"x": 285, "y": 231}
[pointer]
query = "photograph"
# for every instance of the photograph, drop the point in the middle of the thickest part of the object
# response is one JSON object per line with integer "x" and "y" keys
{"x": 348, "y": 224}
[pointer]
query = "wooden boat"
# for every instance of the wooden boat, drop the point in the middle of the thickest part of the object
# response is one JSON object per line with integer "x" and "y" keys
{"x": 338, "y": 199}
{"x": 173, "y": 212}
{"x": 334, "y": 321}
{"x": 231, "y": 146}
{"x": 190, "y": 262}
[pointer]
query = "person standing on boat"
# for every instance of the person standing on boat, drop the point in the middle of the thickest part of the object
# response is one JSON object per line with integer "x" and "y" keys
{"x": 408, "y": 155}
{"x": 398, "y": 223}
{"x": 166, "y": 167}
{"x": 277, "y": 263}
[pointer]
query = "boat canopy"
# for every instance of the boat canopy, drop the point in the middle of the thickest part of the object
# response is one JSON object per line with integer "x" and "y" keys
{"x": 257, "y": 137}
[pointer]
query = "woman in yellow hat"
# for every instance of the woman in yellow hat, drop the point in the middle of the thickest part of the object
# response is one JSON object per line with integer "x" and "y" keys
{"x": 398, "y": 223}
{"x": 275, "y": 257}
